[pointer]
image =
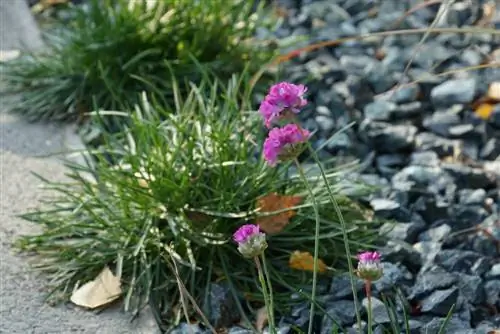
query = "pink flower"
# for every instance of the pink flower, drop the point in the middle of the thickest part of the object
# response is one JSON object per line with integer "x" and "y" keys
{"x": 251, "y": 241}
{"x": 369, "y": 266}
{"x": 284, "y": 143}
{"x": 245, "y": 232}
{"x": 282, "y": 97}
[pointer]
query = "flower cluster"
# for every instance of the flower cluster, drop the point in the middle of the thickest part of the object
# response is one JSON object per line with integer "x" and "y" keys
{"x": 251, "y": 241}
{"x": 282, "y": 98}
{"x": 284, "y": 143}
{"x": 282, "y": 102}
{"x": 369, "y": 266}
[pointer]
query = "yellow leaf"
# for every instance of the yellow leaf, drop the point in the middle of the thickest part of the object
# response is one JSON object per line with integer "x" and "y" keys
{"x": 484, "y": 110}
{"x": 274, "y": 202}
{"x": 494, "y": 91}
{"x": 305, "y": 261}
{"x": 101, "y": 291}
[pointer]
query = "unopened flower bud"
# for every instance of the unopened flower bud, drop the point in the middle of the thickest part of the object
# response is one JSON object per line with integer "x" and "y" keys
{"x": 369, "y": 266}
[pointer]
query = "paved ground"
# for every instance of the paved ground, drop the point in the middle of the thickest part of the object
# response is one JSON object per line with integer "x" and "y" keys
{"x": 22, "y": 145}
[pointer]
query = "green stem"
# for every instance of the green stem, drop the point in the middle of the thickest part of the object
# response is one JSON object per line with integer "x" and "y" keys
{"x": 268, "y": 303}
{"x": 344, "y": 234}
{"x": 316, "y": 246}
{"x": 270, "y": 288}
{"x": 368, "y": 287}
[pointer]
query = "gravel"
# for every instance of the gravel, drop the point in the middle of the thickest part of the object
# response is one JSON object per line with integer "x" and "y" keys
{"x": 436, "y": 162}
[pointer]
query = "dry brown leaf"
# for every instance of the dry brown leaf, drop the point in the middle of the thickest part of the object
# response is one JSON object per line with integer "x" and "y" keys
{"x": 305, "y": 261}
{"x": 261, "y": 319}
{"x": 495, "y": 331}
{"x": 104, "y": 289}
{"x": 494, "y": 91}
{"x": 274, "y": 202}
{"x": 484, "y": 110}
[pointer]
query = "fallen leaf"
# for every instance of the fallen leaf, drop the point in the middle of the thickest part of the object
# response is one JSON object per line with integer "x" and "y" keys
{"x": 104, "y": 289}
{"x": 274, "y": 202}
{"x": 484, "y": 110}
{"x": 6, "y": 55}
{"x": 305, "y": 261}
{"x": 495, "y": 331}
{"x": 261, "y": 319}
{"x": 494, "y": 91}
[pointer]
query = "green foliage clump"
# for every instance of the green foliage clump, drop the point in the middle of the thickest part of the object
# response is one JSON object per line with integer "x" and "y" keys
{"x": 184, "y": 181}
{"x": 107, "y": 51}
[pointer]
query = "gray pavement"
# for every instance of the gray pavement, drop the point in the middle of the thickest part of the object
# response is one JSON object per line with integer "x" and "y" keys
{"x": 23, "y": 149}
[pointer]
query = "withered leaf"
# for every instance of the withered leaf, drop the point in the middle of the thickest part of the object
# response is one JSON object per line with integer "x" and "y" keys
{"x": 305, "y": 261}
{"x": 273, "y": 202}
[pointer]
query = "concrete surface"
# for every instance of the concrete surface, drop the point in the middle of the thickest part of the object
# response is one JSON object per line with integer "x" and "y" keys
{"x": 22, "y": 147}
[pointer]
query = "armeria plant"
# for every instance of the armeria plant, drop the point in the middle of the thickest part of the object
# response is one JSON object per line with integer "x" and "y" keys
{"x": 184, "y": 181}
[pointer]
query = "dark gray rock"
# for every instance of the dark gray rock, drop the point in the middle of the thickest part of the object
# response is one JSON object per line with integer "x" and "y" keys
{"x": 402, "y": 252}
{"x": 428, "y": 282}
{"x": 341, "y": 287}
{"x": 412, "y": 111}
{"x": 440, "y": 302}
{"x": 428, "y": 251}
{"x": 456, "y": 91}
{"x": 427, "y": 141}
{"x": 341, "y": 311}
{"x": 492, "y": 289}
{"x": 385, "y": 137}
{"x": 495, "y": 117}
{"x": 454, "y": 326}
{"x": 184, "y": 328}
{"x": 407, "y": 232}
{"x": 238, "y": 330}
{"x": 441, "y": 122}
{"x": 472, "y": 196}
{"x": 394, "y": 276}
{"x": 379, "y": 110}
{"x": 424, "y": 158}
{"x": 386, "y": 208}
{"x": 468, "y": 177}
{"x": 494, "y": 272}
{"x": 389, "y": 164}
{"x": 436, "y": 234}
{"x": 490, "y": 150}
{"x": 431, "y": 209}
{"x": 406, "y": 93}
{"x": 220, "y": 308}
{"x": 455, "y": 260}
{"x": 471, "y": 288}
{"x": 379, "y": 311}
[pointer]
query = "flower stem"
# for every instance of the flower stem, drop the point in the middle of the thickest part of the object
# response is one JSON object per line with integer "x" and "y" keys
{"x": 270, "y": 289}
{"x": 368, "y": 288}
{"x": 316, "y": 246}
{"x": 267, "y": 300}
{"x": 344, "y": 234}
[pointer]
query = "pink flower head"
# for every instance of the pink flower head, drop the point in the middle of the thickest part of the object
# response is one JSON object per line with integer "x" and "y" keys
{"x": 282, "y": 97}
{"x": 284, "y": 143}
{"x": 369, "y": 266}
{"x": 251, "y": 241}
{"x": 245, "y": 232}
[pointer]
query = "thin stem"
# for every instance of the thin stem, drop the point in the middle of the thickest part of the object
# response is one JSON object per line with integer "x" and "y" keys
{"x": 344, "y": 234}
{"x": 316, "y": 246}
{"x": 270, "y": 287}
{"x": 368, "y": 288}
{"x": 263, "y": 284}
